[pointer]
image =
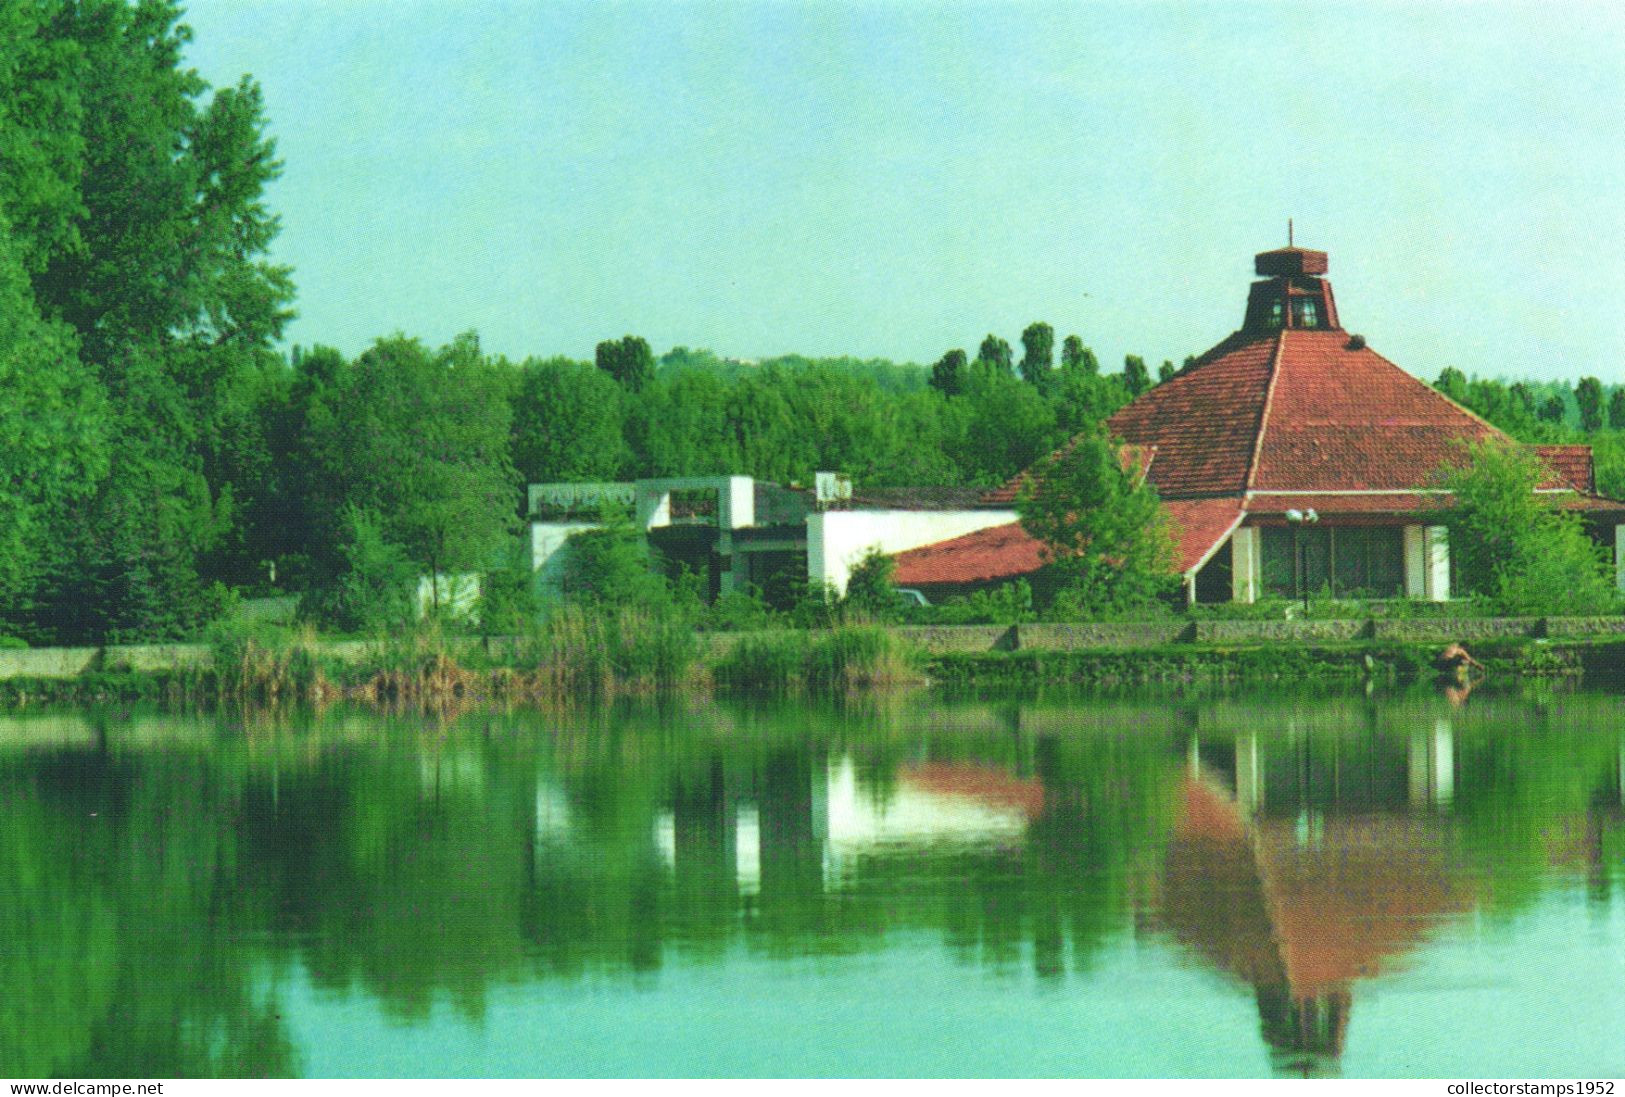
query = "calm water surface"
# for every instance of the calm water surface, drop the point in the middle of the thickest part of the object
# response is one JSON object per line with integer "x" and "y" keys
{"x": 1368, "y": 887}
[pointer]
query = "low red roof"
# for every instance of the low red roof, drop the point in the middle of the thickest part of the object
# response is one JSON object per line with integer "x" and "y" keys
{"x": 988, "y": 555}
{"x": 1571, "y": 466}
{"x": 1008, "y": 551}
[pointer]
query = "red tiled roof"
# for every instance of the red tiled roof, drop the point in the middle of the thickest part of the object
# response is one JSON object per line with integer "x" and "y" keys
{"x": 1136, "y": 459}
{"x": 988, "y": 555}
{"x": 1200, "y": 525}
{"x": 1571, "y": 466}
{"x": 1203, "y": 421}
{"x": 1007, "y": 551}
{"x": 1342, "y": 418}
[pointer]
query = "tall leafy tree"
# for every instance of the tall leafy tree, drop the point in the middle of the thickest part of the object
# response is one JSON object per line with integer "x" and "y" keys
{"x": 1616, "y": 409}
{"x": 628, "y": 359}
{"x": 1588, "y": 395}
{"x": 420, "y": 439}
{"x": 1038, "y": 352}
{"x": 1136, "y": 378}
{"x": 568, "y": 420}
{"x": 53, "y": 440}
{"x": 1074, "y": 355}
{"x": 948, "y": 375}
{"x": 995, "y": 352}
{"x": 144, "y": 230}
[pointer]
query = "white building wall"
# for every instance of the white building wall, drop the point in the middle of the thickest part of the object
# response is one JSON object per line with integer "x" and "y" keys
{"x": 838, "y": 539}
{"x": 1246, "y": 564}
{"x": 548, "y": 553}
{"x": 1427, "y": 563}
{"x": 458, "y": 593}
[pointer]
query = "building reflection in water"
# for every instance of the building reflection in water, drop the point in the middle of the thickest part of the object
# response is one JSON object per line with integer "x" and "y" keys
{"x": 1300, "y": 875}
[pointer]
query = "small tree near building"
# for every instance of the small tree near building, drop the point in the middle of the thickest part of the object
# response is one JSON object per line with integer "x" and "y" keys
{"x": 1513, "y": 547}
{"x": 1104, "y": 529}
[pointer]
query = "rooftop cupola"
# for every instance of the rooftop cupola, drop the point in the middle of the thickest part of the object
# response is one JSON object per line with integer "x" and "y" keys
{"x": 1293, "y": 293}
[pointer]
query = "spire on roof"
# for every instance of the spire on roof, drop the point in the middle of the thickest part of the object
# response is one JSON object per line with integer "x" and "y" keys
{"x": 1295, "y": 295}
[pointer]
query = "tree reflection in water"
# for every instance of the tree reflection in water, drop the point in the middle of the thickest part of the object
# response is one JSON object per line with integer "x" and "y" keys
{"x": 163, "y": 878}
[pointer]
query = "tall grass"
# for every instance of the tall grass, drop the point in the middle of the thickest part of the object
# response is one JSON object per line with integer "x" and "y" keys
{"x": 835, "y": 660}
{"x": 268, "y": 663}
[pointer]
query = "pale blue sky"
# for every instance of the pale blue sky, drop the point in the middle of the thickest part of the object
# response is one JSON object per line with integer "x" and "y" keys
{"x": 896, "y": 179}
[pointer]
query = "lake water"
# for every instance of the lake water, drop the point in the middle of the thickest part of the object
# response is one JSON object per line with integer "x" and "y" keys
{"x": 1353, "y": 886}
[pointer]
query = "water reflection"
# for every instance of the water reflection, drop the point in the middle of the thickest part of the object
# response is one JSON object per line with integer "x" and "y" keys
{"x": 164, "y": 880}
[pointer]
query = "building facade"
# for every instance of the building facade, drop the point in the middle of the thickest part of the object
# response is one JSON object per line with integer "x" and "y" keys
{"x": 1291, "y": 457}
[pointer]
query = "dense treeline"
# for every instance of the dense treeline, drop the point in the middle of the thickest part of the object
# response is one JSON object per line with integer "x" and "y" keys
{"x": 159, "y": 457}
{"x": 1552, "y": 412}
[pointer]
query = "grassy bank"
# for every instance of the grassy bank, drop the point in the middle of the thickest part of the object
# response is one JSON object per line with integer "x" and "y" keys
{"x": 580, "y": 657}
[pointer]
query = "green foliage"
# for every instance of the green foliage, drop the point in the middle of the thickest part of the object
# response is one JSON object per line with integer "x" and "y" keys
{"x": 628, "y": 360}
{"x": 1074, "y": 355}
{"x": 870, "y": 588}
{"x": 508, "y": 600}
{"x": 374, "y": 589}
{"x": 948, "y": 375}
{"x": 1038, "y": 352}
{"x": 1136, "y": 378}
{"x": 1588, "y": 395}
{"x": 995, "y": 353}
{"x": 420, "y": 440}
{"x": 1511, "y": 546}
{"x": 1104, "y": 529}
{"x": 613, "y": 565}
{"x": 567, "y": 423}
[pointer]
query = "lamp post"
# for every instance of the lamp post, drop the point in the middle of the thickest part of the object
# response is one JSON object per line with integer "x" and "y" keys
{"x": 1296, "y": 518}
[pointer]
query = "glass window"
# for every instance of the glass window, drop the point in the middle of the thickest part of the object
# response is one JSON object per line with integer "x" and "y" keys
{"x": 1305, "y": 313}
{"x": 1277, "y": 311}
{"x": 1346, "y": 561}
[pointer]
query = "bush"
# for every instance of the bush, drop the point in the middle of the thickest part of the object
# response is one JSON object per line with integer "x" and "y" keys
{"x": 1513, "y": 547}
{"x": 374, "y": 590}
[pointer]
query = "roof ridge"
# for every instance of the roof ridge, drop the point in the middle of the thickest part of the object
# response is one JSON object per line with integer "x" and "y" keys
{"x": 1264, "y": 412}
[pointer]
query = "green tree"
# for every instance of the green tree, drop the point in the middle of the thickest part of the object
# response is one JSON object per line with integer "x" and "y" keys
{"x": 139, "y": 200}
{"x": 871, "y": 586}
{"x": 613, "y": 565}
{"x": 1554, "y": 410}
{"x": 1076, "y": 356}
{"x": 1103, "y": 528}
{"x": 1512, "y": 545}
{"x": 1616, "y": 409}
{"x": 1038, "y": 352}
{"x": 1136, "y": 378}
{"x": 948, "y": 375}
{"x": 1166, "y": 371}
{"x": 1453, "y": 383}
{"x": 421, "y": 439}
{"x": 568, "y": 423}
{"x": 53, "y": 444}
{"x": 1588, "y": 394}
{"x": 995, "y": 353}
{"x": 629, "y": 360}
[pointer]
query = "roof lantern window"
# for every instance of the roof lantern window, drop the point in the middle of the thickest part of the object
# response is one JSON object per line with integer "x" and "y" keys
{"x": 1293, "y": 294}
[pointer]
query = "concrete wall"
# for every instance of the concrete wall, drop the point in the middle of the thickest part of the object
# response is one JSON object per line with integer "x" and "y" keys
{"x": 838, "y": 539}
{"x": 1446, "y": 629}
{"x": 549, "y": 554}
{"x": 1125, "y": 634}
{"x": 1302, "y": 632}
